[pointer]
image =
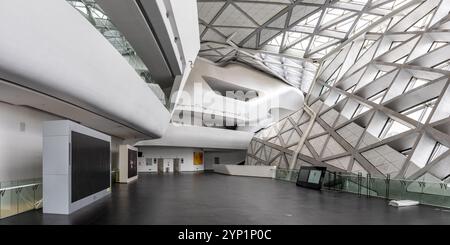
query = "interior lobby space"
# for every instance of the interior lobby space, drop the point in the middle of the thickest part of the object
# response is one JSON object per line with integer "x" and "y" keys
{"x": 198, "y": 199}
{"x": 225, "y": 112}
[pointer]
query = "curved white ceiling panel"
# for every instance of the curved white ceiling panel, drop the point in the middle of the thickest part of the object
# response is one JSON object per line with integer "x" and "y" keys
{"x": 61, "y": 54}
{"x": 203, "y": 137}
{"x": 272, "y": 95}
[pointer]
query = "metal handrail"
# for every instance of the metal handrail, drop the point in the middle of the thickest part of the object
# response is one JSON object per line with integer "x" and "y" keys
{"x": 393, "y": 179}
{"x": 17, "y": 201}
{"x": 19, "y": 187}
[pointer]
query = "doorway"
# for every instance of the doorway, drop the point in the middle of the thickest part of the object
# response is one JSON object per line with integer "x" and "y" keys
{"x": 160, "y": 166}
{"x": 176, "y": 166}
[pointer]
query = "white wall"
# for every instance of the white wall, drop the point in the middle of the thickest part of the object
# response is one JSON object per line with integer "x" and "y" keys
{"x": 188, "y": 31}
{"x": 21, "y": 150}
{"x": 115, "y": 143}
{"x": 183, "y": 24}
{"x": 169, "y": 153}
{"x": 246, "y": 170}
{"x": 225, "y": 157}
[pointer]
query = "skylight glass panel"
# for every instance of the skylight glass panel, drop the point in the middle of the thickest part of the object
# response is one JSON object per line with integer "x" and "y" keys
{"x": 443, "y": 66}
{"x": 393, "y": 5}
{"x": 422, "y": 23}
{"x": 393, "y": 128}
{"x": 378, "y": 97}
{"x": 327, "y": 50}
{"x": 276, "y": 41}
{"x": 365, "y": 21}
{"x": 320, "y": 41}
{"x": 415, "y": 83}
{"x": 421, "y": 112}
{"x": 381, "y": 28}
{"x": 359, "y": 2}
{"x": 332, "y": 14}
{"x": 293, "y": 37}
{"x": 437, "y": 45}
{"x": 438, "y": 150}
{"x": 303, "y": 45}
{"x": 310, "y": 21}
{"x": 344, "y": 26}
{"x": 366, "y": 45}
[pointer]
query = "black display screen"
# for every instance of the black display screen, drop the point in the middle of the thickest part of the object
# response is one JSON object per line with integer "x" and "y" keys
{"x": 311, "y": 177}
{"x": 132, "y": 163}
{"x": 91, "y": 167}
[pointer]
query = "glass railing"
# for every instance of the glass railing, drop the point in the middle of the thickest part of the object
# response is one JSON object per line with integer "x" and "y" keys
{"x": 286, "y": 175}
{"x": 20, "y": 196}
{"x": 428, "y": 193}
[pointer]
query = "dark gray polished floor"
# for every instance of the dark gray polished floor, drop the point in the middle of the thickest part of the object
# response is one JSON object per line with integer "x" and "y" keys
{"x": 218, "y": 199}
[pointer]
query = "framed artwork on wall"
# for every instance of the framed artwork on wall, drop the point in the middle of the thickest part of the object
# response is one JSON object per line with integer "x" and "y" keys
{"x": 198, "y": 158}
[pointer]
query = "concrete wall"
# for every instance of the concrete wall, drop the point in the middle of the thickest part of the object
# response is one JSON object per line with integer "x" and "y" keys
{"x": 168, "y": 154}
{"x": 21, "y": 142}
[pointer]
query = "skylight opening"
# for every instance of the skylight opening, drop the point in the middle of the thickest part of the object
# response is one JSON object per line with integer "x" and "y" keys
{"x": 320, "y": 41}
{"x": 303, "y": 45}
{"x": 393, "y": 5}
{"x": 360, "y": 110}
{"x": 332, "y": 14}
{"x": 443, "y": 66}
{"x": 345, "y": 26}
{"x": 392, "y": 128}
{"x": 438, "y": 150}
{"x": 365, "y": 21}
{"x": 326, "y": 51}
{"x": 276, "y": 42}
{"x": 415, "y": 82}
{"x": 422, "y": 23}
{"x": 366, "y": 45}
{"x": 359, "y": 2}
{"x": 421, "y": 112}
{"x": 310, "y": 21}
{"x": 293, "y": 37}
{"x": 380, "y": 73}
{"x": 381, "y": 28}
{"x": 377, "y": 98}
{"x": 394, "y": 44}
{"x": 437, "y": 45}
